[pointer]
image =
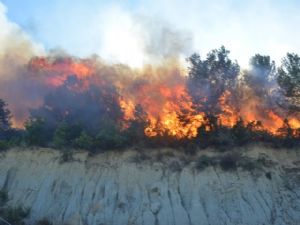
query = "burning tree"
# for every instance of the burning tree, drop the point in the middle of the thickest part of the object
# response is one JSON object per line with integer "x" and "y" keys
{"x": 211, "y": 78}
{"x": 89, "y": 104}
{"x": 289, "y": 79}
{"x": 5, "y": 117}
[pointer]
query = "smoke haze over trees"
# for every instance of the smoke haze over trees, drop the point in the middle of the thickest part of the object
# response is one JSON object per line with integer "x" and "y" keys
{"x": 90, "y": 105}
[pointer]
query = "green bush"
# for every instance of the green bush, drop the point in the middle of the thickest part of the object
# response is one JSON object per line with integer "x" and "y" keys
{"x": 36, "y": 132}
{"x": 66, "y": 156}
{"x": 14, "y": 215}
{"x": 223, "y": 139}
{"x": 110, "y": 139}
{"x": 66, "y": 134}
{"x": 268, "y": 175}
{"x": 3, "y": 145}
{"x": 248, "y": 164}
{"x": 229, "y": 161}
{"x": 140, "y": 157}
{"x": 204, "y": 161}
{"x": 84, "y": 141}
{"x": 175, "y": 167}
{"x": 3, "y": 197}
{"x": 43, "y": 221}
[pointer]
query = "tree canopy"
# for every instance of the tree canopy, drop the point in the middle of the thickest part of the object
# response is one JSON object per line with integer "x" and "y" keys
{"x": 289, "y": 75}
{"x": 5, "y": 116}
{"x": 209, "y": 78}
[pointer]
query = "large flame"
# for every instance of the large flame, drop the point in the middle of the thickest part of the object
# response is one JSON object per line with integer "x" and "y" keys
{"x": 161, "y": 92}
{"x": 60, "y": 69}
{"x": 251, "y": 112}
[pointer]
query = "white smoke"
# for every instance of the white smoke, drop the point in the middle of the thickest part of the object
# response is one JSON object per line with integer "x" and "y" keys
{"x": 136, "y": 40}
{"x": 16, "y": 47}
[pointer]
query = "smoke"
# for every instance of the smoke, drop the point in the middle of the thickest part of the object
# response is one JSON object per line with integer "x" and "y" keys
{"x": 137, "y": 40}
{"x": 16, "y": 47}
{"x": 59, "y": 86}
{"x": 16, "y": 50}
{"x": 163, "y": 42}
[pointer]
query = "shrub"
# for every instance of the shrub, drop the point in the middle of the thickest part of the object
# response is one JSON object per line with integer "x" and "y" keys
{"x": 3, "y": 145}
{"x": 241, "y": 133}
{"x": 36, "y": 132}
{"x": 66, "y": 134}
{"x": 139, "y": 157}
{"x": 66, "y": 156}
{"x": 60, "y": 136}
{"x": 3, "y": 197}
{"x": 248, "y": 164}
{"x": 264, "y": 161}
{"x": 5, "y": 116}
{"x": 224, "y": 139}
{"x": 16, "y": 141}
{"x": 191, "y": 148}
{"x": 14, "y": 215}
{"x": 229, "y": 161}
{"x": 84, "y": 141}
{"x": 175, "y": 166}
{"x": 110, "y": 139}
{"x": 203, "y": 162}
{"x": 43, "y": 221}
{"x": 268, "y": 175}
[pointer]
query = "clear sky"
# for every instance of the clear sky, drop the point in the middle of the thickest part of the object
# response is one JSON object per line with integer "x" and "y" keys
{"x": 119, "y": 29}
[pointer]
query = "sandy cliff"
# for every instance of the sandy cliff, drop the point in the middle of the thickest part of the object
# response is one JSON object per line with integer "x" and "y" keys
{"x": 112, "y": 188}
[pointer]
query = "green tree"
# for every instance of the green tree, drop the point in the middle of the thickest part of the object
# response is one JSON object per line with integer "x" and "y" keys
{"x": 84, "y": 141}
{"x": 36, "y": 132}
{"x": 5, "y": 116}
{"x": 110, "y": 137}
{"x": 289, "y": 75}
{"x": 259, "y": 79}
{"x": 262, "y": 69}
{"x": 210, "y": 78}
{"x": 289, "y": 79}
{"x": 66, "y": 134}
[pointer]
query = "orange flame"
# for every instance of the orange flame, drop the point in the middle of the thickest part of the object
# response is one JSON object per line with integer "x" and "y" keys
{"x": 162, "y": 94}
{"x": 271, "y": 121}
{"x": 166, "y": 102}
{"x": 61, "y": 69}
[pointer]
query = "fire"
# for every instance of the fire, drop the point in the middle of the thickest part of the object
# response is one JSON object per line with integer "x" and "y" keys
{"x": 162, "y": 95}
{"x": 229, "y": 115}
{"x": 61, "y": 69}
{"x": 294, "y": 123}
{"x": 271, "y": 121}
{"x": 166, "y": 103}
{"x": 174, "y": 122}
{"x": 128, "y": 109}
{"x": 274, "y": 123}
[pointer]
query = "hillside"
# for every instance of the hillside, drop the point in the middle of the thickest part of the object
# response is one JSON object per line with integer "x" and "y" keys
{"x": 162, "y": 187}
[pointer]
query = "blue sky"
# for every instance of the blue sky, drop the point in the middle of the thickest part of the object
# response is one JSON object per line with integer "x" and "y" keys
{"x": 117, "y": 29}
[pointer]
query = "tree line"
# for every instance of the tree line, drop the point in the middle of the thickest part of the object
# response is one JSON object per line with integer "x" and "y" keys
{"x": 90, "y": 119}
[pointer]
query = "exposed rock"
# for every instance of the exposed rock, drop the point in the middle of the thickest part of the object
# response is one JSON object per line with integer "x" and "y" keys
{"x": 109, "y": 189}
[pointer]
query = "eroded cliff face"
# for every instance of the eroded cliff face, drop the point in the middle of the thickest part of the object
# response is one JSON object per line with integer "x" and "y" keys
{"x": 111, "y": 188}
